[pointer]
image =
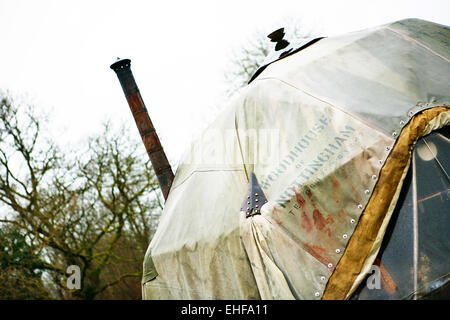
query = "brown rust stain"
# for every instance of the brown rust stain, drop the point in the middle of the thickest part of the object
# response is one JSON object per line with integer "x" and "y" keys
{"x": 334, "y": 181}
{"x": 306, "y": 222}
{"x": 317, "y": 252}
{"x": 341, "y": 214}
{"x": 311, "y": 199}
{"x": 276, "y": 217}
{"x": 388, "y": 283}
{"x": 329, "y": 230}
{"x": 355, "y": 193}
{"x": 330, "y": 220}
{"x": 334, "y": 190}
{"x": 319, "y": 220}
{"x": 300, "y": 200}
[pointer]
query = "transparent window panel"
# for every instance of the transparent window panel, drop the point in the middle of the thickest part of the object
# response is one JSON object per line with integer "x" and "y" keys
{"x": 433, "y": 203}
{"x": 395, "y": 260}
{"x": 400, "y": 277}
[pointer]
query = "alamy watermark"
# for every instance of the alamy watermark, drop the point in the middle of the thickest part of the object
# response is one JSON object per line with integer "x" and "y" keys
{"x": 231, "y": 146}
{"x": 374, "y": 280}
{"x": 74, "y": 280}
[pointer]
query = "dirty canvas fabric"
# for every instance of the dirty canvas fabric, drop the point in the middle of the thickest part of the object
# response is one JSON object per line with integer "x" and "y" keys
{"x": 317, "y": 129}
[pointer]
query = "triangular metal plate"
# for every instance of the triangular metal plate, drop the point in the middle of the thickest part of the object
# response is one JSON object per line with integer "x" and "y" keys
{"x": 254, "y": 199}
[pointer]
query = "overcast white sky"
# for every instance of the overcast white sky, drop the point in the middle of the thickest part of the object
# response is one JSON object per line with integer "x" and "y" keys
{"x": 59, "y": 52}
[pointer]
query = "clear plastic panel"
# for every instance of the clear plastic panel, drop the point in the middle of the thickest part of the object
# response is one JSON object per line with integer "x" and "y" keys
{"x": 395, "y": 262}
{"x": 433, "y": 202}
{"x": 396, "y": 254}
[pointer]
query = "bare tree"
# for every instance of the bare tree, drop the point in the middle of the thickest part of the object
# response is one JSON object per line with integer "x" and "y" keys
{"x": 81, "y": 210}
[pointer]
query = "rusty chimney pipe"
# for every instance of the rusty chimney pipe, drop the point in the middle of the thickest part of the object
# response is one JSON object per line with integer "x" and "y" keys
{"x": 148, "y": 134}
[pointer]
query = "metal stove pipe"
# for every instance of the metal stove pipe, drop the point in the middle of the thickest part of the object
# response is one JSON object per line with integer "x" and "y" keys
{"x": 148, "y": 134}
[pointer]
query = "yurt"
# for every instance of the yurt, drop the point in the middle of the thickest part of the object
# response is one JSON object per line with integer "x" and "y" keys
{"x": 326, "y": 178}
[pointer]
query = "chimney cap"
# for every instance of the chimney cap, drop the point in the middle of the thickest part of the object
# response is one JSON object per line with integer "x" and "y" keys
{"x": 120, "y": 64}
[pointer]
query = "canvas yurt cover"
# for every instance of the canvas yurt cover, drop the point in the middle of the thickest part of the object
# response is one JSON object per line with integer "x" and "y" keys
{"x": 290, "y": 192}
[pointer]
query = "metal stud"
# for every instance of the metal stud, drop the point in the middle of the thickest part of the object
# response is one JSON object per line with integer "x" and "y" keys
{"x": 256, "y": 200}
{"x": 360, "y": 206}
{"x": 317, "y": 294}
{"x": 402, "y": 122}
{"x": 374, "y": 177}
{"x": 388, "y": 148}
{"x": 330, "y": 265}
{"x": 338, "y": 251}
{"x": 256, "y": 194}
{"x": 345, "y": 236}
{"x": 394, "y": 134}
{"x": 322, "y": 278}
{"x": 367, "y": 191}
{"x": 352, "y": 221}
